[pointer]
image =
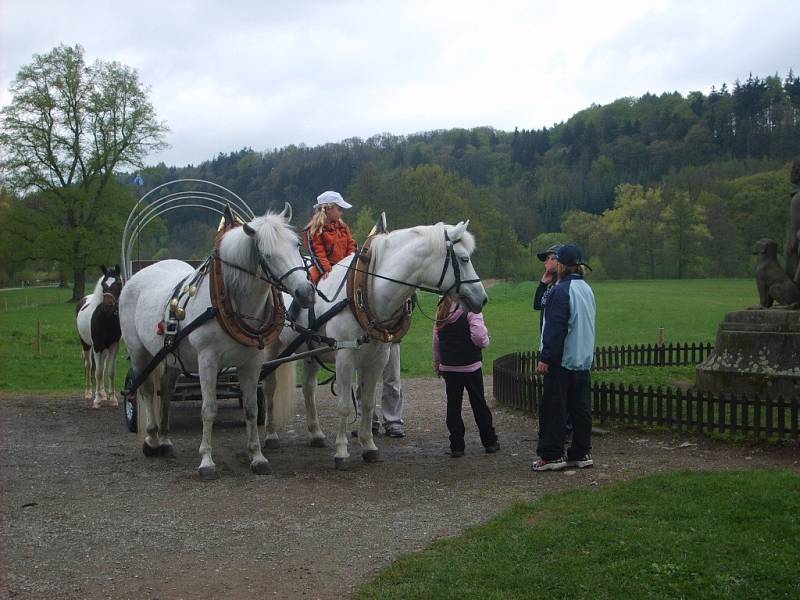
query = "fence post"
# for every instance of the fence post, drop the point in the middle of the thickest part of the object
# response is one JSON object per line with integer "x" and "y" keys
{"x": 661, "y": 345}
{"x": 38, "y": 337}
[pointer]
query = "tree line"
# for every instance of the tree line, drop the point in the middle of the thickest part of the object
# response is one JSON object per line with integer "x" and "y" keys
{"x": 655, "y": 186}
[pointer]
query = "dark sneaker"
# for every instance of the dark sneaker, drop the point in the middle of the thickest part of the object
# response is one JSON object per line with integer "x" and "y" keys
{"x": 492, "y": 448}
{"x": 456, "y": 453}
{"x": 555, "y": 464}
{"x": 395, "y": 432}
{"x": 582, "y": 462}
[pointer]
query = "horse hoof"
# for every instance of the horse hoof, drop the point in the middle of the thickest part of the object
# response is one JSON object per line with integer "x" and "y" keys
{"x": 340, "y": 464}
{"x": 261, "y": 468}
{"x": 95, "y": 405}
{"x": 208, "y": 473}
{"x": 149, "y": 451}
{"x": 167, "y": 451}
{"x": 317, "y": 442}
{"x": 272, "y": 444}
{"x": 372, "y": 456}
{"x": 113, "y": 402}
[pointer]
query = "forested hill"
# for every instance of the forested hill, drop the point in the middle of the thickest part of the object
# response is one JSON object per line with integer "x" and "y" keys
{"x": 657, "y": 186}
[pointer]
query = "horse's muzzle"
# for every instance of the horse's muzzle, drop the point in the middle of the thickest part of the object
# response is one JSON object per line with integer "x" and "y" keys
{"x": 305, "y": 295}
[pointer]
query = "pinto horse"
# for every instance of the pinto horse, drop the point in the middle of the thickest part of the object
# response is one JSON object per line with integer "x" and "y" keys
{"x": 252, "y": 259}
{"x": 97, "y": 318}
{"x": 431, "y": 257}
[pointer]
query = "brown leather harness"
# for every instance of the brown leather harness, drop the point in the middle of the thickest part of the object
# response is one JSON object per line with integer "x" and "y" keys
{"x": 359, "y": 292}
{"x": 230, "y": 319}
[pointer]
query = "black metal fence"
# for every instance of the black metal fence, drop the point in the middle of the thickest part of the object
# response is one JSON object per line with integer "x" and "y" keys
{"x": 517, "y": 385}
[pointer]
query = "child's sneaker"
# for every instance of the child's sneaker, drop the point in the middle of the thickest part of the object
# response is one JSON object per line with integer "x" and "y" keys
{"x": 582, "y": 462}
{"x": 555, "y": 464}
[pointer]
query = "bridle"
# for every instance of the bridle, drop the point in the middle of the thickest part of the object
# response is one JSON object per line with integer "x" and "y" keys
{"x": 268, "y": 274}
{"x": 452, "y": 259}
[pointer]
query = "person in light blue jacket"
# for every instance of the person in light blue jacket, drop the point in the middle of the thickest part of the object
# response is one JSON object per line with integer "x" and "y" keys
{"x": 565, "y": 359}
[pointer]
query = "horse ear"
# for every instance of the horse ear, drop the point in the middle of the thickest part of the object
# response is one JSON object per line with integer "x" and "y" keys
{"x": 459, "y": 230}
{"x": 118, "y": 269}
{"x": 228, "y": 215}
{"x": 287, "y": 212}
{"x": 103, "y": 269}
{"x": 248, "y": 230}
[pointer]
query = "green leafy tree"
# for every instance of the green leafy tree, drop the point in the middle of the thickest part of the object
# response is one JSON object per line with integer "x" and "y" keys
{"x": 68, "y": 127}
{"x": 685, "y": 229}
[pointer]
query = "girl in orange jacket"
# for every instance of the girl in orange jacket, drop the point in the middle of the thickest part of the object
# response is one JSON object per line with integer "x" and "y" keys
{"x": 327, "y": 237}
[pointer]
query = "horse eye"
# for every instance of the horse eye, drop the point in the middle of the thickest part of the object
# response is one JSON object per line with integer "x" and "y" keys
{"x": 464, "y": 259}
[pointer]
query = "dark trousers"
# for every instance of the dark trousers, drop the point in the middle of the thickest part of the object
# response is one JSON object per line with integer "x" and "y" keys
{"x": 566, "y": 394}
{"x": 454, "y": 386}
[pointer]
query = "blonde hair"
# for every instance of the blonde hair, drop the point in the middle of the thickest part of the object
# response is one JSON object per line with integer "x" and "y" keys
{"x": 318, "y": 219}
{"x": 442, "y": 312}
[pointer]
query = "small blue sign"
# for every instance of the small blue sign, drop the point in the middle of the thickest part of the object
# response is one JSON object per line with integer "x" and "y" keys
{"x": 138, "y": 180}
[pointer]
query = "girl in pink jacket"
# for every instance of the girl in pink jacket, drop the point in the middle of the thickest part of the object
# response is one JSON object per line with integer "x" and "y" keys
{"x": 458, "y": 337}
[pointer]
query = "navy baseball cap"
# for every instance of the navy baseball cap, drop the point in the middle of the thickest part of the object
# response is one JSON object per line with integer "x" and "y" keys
{"x": 570, "y": 256}
{"x": 542, "y": 256}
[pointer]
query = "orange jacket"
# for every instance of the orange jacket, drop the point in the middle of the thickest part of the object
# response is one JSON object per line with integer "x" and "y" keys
{"x": 333, "y": 242}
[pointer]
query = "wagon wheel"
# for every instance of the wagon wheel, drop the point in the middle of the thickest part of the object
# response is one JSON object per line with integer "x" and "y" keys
{"x": 129, "y": 409}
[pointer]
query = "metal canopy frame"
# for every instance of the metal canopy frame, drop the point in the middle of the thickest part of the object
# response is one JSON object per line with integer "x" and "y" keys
{"x": 165, "y": 198}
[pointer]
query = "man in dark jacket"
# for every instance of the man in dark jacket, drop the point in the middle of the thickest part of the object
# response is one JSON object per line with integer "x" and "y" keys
{"x": 565, "y": 359}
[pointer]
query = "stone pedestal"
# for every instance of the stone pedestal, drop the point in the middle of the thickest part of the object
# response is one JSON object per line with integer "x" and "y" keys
{"x": 756, "y": 352}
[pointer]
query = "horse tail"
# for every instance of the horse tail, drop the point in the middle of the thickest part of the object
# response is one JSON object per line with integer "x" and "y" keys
{"x": 284, "y": 397}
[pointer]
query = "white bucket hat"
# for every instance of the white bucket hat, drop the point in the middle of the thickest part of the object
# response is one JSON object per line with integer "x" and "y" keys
{"x": 330, "y": 197}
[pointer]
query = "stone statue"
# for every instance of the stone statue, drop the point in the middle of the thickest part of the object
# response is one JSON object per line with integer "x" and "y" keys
{"x": 773, "y": 283}
{"x": 793, "y": 230}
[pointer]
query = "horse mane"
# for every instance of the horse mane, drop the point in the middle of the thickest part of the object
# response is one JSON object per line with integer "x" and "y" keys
{"x": 238, "y": 248}
{"x": 97, "y": 294}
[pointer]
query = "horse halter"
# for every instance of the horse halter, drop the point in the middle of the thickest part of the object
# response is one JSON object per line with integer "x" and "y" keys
{"x": 109, "y": 293}
{"x": 270, "y": 277}
{"x": 451, "y": 258}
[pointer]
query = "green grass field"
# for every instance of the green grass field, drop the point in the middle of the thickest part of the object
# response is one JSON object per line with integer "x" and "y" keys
{"x": 679, "y": 535}
{"x": 629, "y": 312}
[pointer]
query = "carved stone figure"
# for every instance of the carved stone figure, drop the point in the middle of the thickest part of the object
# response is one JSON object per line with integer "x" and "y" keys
{"x": 773, "y": 283}
{"x": 793, "y": 230}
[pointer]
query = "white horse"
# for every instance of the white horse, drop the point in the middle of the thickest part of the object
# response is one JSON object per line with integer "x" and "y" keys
{"x": 267, "y": 242}
{"x": 97, "y": 317}
{"x": 434, "y": 257}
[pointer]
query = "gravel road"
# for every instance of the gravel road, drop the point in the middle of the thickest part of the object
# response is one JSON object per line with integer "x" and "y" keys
{"x": 83, "y": 514}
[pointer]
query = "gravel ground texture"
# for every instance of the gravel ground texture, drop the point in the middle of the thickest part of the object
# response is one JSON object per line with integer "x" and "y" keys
{"x": 83, "y": 514}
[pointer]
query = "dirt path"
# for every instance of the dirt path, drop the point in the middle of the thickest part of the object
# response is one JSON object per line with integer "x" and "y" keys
{"x": 84, "y": 515}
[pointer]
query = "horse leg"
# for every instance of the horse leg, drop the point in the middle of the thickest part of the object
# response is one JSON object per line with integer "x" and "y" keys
{"x": 248, "y": 384}
{"x": 271, "y": 440}
{"x": 144, "y": 403}
{"x": 88, "y": 371}
{"x": 167, "y": 384}
{"x": 112, "y": 371}
{"x": 367, "y": 386}
{"x": 310, "y": 370}
{"x": 100, "y": 388}
{"x": 344, "y": 385}
{"x": 208, "y": 368}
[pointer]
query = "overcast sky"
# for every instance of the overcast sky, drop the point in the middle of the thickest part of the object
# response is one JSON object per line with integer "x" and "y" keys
{"x": 266, "y": 74}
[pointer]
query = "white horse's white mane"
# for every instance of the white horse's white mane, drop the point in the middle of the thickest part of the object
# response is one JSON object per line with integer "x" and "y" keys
{"x": 273, "y": 235}
{"x": 433, "y": 235}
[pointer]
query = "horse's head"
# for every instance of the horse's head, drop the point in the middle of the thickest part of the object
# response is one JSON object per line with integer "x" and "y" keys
{"x": 279, "y": 254}
{"x": 458, "y": 278}
{"x": 111, "y": 285}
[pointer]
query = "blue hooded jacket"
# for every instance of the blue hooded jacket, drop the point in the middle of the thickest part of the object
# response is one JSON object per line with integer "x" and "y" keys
{"x": 569, "y": 319}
